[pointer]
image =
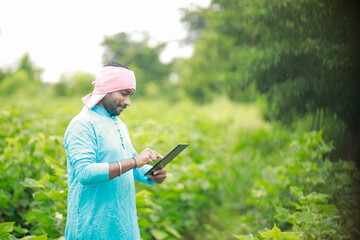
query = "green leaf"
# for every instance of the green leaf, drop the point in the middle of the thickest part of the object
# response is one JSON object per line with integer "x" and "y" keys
{"x": 5, "y": 236}
{"x": 20, "y": 230}
{"x": 295, "y": 190}
{"x": 293, "y": 220}
{"x": 31, "y": 183}
{"x": 173, "y": 231}
{"x": 276, "y": 233}
{"x": 326, "y": 208}
{"x": 158, "y": 235}
{"x": 6, "y": 227}
{"x": 26, "y": 238}
{"x": 40, "y": 196}
{"x": 144, "y": 223}
{"x": 40, "y": 237}
{"x": 290, "y": 236}
{"x": 244, "y": 237}
{"x": 306, "y": 217}
{"x": 319, "y": 197}
{"x": 282, "y": 214}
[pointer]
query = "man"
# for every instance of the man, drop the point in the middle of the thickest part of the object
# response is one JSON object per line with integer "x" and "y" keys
{"x": 102, "y": 163}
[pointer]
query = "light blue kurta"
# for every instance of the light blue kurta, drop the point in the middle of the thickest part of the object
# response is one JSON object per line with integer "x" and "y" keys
{"x": 99, "y": 208}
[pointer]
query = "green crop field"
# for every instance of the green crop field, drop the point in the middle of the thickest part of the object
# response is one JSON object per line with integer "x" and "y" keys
{"x": 240, "y": 176}
{"x": 268, "y": 101}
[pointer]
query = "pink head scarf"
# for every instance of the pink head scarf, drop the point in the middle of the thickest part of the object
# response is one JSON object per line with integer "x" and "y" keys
{"x": 110, "y": 79}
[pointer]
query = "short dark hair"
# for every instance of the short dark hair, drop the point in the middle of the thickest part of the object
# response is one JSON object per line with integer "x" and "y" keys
{"x": 114, "y": 64}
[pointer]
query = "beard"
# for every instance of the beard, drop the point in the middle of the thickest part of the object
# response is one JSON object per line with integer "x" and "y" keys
{"x": 112, "y": 106}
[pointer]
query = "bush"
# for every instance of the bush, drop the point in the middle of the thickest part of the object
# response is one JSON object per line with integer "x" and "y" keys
{"x": 236, "y": 175}
{"x": 74, "y": 84}
{"x": 19, "y": 83}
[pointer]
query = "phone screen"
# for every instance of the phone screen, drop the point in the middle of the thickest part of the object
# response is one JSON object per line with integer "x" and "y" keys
{"x": 170, "y": 156}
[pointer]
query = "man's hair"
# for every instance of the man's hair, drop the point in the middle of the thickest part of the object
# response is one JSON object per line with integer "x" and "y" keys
{"x": 114, "y": 64}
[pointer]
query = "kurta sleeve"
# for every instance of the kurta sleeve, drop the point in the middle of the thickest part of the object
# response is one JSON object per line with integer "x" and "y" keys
{"x": 140, "y": 177}
{"x": 81, "y": 146}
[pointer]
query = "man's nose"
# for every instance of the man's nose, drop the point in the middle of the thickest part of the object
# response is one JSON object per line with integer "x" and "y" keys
{"x": 127, "y": 101}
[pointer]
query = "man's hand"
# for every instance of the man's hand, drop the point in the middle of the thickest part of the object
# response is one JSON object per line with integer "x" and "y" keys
{"x": 148, "y": 156}
{"x": 158, "y": 176}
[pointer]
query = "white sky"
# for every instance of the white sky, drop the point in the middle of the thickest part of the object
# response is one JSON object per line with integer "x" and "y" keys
{"x": 65, "y": 35}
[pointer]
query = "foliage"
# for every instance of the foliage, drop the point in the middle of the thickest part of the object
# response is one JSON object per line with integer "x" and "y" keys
{"x": 298, "y": 52}
{"x": 7, "y": 228}
{"x": 325, "y": 211}
{"x": 18, "y": 83}
{"x": 2, "y": 75}
{"x": 73, "y": 84}
{"x": 314, "y": 218}
{"x": 194, "y": 22}
{"x": 33, "y": 72}
{"x": 303, "y": 55}
{"x": 240, "y": 174}
{"x": 237, "y": 169}
{"x": 24, "y": 80}
{"x": 29, "y": 145}
{"x": 274, "y": 234}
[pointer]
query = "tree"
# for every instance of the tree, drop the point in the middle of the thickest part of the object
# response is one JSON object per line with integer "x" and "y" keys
{"x": 24, "y": 80}
{"x": 303, "y": 55}
{"x": 76, "y": 83}
{"x": 2, "y": 75}
{"x": 29, "y": 67}
{"x": 195, "y": 22}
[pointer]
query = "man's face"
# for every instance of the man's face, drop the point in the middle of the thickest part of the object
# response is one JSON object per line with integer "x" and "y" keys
{"x": 116, "y": 102}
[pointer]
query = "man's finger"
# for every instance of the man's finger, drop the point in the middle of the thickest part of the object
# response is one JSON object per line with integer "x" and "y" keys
{"x": 157, "y": 180}
{"x": 156, "y": 154}
{"x": 160, "y": 175}
{"x": 160, "y": 171}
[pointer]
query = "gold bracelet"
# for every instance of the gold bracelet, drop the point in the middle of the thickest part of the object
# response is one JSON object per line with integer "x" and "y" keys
{"x": 120, "y": 167}
{"x": 135, "y": 162}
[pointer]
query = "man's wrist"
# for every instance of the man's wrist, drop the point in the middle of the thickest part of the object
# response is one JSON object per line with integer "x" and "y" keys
{"x": 135, "y": 166}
